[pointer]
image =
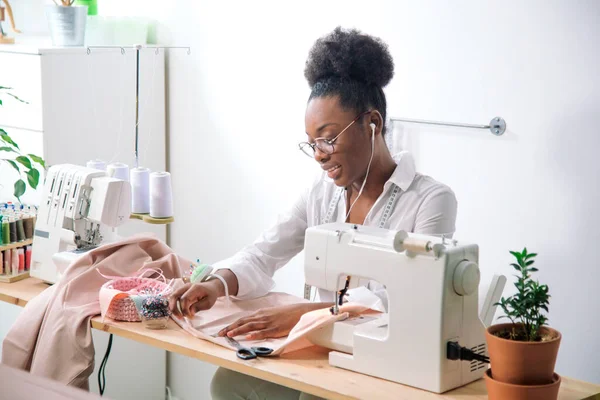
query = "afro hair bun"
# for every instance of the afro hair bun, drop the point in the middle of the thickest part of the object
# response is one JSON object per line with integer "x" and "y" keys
{"x": 349, "y": 55}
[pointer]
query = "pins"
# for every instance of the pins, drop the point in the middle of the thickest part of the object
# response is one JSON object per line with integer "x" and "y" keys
{"x": 155, "y": 311}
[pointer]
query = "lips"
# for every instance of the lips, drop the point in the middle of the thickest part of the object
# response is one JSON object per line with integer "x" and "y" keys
{"x": 332, "y": 171}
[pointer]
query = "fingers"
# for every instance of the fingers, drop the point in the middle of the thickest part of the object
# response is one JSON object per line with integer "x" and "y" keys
{"x": 238, "y": 323}
{"x": 243, "y": 326}
{"x": 203, "y": 304}
{"x": 195, "y": 294}
{"x": 265, "y": 334}
{"x": 174, "y": 299}
{"x": 191, "y": 299}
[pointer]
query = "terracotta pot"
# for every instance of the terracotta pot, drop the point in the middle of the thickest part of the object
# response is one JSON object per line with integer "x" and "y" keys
{"x": 504, "y": 391}
{"x": 522, "y": 363}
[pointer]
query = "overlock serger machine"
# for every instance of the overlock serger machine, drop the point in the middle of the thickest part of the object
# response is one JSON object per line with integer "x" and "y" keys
{"x": 79, "y": 209}
{"x": 432, "y": 289}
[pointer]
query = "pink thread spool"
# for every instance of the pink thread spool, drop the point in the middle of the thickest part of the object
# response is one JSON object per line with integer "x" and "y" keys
{"x": 15, "y": 261}
{"x": 21, "y": 254}
{"x": 28, "y": 258}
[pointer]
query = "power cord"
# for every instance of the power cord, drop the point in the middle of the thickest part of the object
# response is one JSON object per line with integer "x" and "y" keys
{"x": 102, "y": 369}
{"x": 455, "y": 351}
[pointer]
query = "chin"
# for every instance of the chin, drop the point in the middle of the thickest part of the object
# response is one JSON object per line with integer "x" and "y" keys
{"x": 341, "y": 182}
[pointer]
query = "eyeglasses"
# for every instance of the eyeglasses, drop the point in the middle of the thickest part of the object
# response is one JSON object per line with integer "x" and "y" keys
{"x": 325, "y": 146}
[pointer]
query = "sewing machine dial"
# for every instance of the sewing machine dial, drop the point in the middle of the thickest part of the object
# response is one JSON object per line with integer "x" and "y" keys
{"x": 466, "y": 278}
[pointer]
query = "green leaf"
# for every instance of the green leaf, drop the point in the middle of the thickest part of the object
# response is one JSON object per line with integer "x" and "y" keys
{"x": 516, "y": 266}
{"x": 5, "y": 88}
{"x": 7, "y": 148}
{"x": 33, "y": 177}
{"x": 531, "y": 255}
{"x": 19, "y": 188}
{"x": 38, "y": 160}
{"x": 533, "y": 269}
{"x": 528, "y": 263}
{"x": 0, "y": 102}
{"x": 25, "y": 161}
{"x": 16, "y": 98}
{"x": 14, "y": 164}
{"x": 7, "y": 139}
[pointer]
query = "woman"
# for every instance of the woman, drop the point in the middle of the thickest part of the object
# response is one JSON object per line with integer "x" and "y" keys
{"x": 362, "y": 183}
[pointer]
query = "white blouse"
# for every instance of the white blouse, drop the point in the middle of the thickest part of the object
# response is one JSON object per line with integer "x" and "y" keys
{"x": 423, "y": 205}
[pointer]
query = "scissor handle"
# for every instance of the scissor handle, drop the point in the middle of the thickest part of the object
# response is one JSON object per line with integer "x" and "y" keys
{"x": 246, "y": 354}
{"x": 262, "y": 351}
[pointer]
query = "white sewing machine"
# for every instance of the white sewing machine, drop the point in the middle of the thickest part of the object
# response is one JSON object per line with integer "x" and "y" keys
{"x": 78, "y": 210}
{"x": 432, "y": 289}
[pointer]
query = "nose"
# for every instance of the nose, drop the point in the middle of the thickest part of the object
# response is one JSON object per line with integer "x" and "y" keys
{"x": 321, "y": 157}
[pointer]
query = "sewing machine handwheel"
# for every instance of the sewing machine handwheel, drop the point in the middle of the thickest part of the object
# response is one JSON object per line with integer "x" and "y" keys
{"x": 466, "y": 278}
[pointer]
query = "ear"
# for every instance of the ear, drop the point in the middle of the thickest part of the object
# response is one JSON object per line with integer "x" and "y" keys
{"x": 376, "y": 118}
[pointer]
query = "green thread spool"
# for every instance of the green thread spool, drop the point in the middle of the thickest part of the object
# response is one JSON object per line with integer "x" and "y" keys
{"x": 13, "y": 231}
{"x": 5, "y": 232}
{"x": 20, "y": 230}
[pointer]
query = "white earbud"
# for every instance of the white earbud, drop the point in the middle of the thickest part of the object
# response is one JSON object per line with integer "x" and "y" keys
{"x": 373, "y": 126}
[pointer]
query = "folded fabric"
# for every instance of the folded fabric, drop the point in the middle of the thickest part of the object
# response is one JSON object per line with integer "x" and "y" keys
{"x": 52, "y": 335}
{"x": 206, "y": 324}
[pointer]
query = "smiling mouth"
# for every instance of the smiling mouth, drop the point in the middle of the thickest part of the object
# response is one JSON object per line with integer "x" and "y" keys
{"x": 333, "y": 168}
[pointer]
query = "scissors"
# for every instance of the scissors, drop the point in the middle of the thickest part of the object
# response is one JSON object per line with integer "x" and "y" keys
{"x": 248, "y": 353}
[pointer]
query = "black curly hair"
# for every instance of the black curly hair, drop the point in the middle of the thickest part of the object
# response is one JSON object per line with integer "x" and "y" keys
{"x": 354, "y": 66}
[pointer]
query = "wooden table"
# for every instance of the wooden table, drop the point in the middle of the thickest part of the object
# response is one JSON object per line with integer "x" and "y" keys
{"x": 306, "y": 370}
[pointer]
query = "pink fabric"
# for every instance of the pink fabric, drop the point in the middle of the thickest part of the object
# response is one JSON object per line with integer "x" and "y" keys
{"x": 52, "y": 335}
{"x": 206, "y": 324}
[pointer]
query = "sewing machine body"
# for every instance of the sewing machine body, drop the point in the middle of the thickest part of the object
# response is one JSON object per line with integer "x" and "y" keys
{"x": 79, "y": 208}
{"x": 432, "y": 299}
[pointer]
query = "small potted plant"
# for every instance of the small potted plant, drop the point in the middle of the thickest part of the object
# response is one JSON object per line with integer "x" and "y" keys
{"x": 523, "y": 352}
{"x": 67, "y": 23}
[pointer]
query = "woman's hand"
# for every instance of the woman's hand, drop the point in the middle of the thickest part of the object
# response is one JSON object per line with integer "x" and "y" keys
{"x": 202, "y": 296}
{"x": 194, "y": 297}
{"x": 270, "y": 322}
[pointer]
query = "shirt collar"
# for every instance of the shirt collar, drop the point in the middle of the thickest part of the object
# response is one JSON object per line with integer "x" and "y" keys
{"x": 405, "y": 171}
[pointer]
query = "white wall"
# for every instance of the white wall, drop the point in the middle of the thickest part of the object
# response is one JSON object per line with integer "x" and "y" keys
{"x": 236, "y": 112}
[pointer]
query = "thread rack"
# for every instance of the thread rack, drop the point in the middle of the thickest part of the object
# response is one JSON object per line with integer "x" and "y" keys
{"x": 9, "y": 278}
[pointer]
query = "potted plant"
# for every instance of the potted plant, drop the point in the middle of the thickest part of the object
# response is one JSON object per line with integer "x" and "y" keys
{"x": 24, "y": 164}
{"x": 523, "y": 352}
{"x": 67, "y": 23}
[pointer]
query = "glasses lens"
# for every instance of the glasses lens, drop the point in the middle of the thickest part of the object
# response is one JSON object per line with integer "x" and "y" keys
{"x": 324, "y": 147}
{"x": 307, "y": 149}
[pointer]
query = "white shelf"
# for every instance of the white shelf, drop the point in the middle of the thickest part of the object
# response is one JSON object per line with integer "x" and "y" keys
{"x": 39, "y": 45}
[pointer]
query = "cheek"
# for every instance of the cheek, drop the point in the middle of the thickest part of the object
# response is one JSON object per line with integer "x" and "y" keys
{"x": 351, "y": 160}
{"x": 356, "y": 156}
